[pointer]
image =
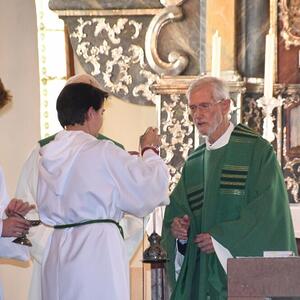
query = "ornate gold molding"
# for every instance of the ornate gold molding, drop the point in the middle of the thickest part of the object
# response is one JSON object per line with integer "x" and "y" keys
{"x": 167, "y": 3}
{"x": 290, "y": 17}
{"x": 180, "y": 84}
{"x": 108, "y": 12}
{"x": 289, "y": 89}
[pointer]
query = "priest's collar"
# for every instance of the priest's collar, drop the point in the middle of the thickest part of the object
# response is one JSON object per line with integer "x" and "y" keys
{"x": 222, "y": 140}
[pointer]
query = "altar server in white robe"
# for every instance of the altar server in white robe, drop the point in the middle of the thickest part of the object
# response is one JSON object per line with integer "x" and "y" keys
{"x": 12, "y": 225}
{"x": 84, "y": 187}
{"x": 27, "y": 188}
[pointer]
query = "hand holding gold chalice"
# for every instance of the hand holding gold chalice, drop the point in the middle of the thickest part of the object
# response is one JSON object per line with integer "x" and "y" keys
{"x": 18, "y": 209}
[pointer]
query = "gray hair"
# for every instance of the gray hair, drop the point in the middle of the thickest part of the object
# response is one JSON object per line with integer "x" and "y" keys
{"x": 218, "y": 86}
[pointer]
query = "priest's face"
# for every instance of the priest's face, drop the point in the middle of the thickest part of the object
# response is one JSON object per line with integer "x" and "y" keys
{"x": 210, "y": 116}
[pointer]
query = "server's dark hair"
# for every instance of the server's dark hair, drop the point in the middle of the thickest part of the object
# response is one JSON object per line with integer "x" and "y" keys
{"x": 75, "y": 100}
{"x": 5, "y": 96}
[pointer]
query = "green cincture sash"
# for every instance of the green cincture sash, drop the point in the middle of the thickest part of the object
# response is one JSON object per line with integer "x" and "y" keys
{"x": 91, "y": 222}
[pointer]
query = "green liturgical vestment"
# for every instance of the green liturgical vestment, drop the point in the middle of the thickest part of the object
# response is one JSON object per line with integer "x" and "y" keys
{"x": 238, "y": 195}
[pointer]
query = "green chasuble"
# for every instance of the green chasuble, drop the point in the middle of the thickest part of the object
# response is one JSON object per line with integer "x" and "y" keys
{"x": 238, "y": 195}
{"x": 45, "y": 141}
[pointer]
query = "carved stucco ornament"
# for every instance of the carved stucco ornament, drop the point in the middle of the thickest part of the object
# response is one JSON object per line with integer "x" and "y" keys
{"x": 290, "y": 17}
{"x": 109, "y": 38}
{"x": 178, "y": 61}
{"x": 122, "y": 67}
{"x": 292, "y": 177}
{"x": 177, "y": 133}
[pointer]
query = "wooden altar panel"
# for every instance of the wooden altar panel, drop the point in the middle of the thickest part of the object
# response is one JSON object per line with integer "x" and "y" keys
{"x": 258, "y": 278}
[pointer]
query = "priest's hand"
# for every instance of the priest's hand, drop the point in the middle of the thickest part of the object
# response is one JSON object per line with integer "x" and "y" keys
{"x": 204, "y": 242}
{"x": 17, "y": 206}
{"x": 180, "y": 227}
{"x": 15, "y": 227}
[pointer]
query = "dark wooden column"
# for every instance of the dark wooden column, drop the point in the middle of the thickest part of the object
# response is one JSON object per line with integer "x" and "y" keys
{"x": 252, "y": 25}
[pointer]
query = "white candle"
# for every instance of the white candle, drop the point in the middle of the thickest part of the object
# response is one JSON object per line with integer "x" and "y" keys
{"x": 269, "y": 66}
{"x": 216, "y": 55}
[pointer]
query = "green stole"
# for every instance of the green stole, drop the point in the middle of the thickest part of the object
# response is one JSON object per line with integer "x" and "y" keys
{"x": 202, "y": 273}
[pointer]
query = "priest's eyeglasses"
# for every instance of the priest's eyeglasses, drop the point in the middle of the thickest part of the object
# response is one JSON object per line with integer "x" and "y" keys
{"x": 203, "y": 107}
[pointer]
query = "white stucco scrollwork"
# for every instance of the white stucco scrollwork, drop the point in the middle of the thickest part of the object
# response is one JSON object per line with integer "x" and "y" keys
{"x": 137, "y": 27}
{"x": 117, "y": 65}
{"x": 178, "y": 127}
{"x": 177, "y": 61}
{"x": 90, "y": 55}
{"x": 123, "y": 79}
{"x": 104, "y": 48}
{"x": 292, "y": 168}
{"x": 176, "y": 133}
{"x": 113, "y": 31}
{"x": 144, "y": 88}
{"x": 175, "y": 176}
{"x": 78, "y": 33}
{"x": 116, "y": 75}
{"x": 137, "y": 55}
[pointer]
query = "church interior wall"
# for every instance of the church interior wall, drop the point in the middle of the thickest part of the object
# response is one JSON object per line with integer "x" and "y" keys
{"x": 19, "y": 121}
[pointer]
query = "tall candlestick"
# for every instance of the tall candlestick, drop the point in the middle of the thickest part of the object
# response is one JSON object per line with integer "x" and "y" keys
{"x": 269, "y": 66}
{"x": 216, "y": 55}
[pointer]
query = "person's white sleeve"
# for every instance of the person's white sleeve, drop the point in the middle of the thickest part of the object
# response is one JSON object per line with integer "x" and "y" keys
{"x": 35, "y": 289}
{"x": 142, "y": 182}
{"x": 27, "y": 183}
{"x": 133, "y": 228}
{"x": 222, "y": 253}
{"x": 178, "y": 260}
{"x": 26, "y": 190}
{"x": 1, "y": 227}
{"x": 4, "y": 199}
{"x": 156, "y": 221}
{"x": 11, "y": 250}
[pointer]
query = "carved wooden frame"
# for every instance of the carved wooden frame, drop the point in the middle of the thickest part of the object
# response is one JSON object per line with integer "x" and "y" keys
{"x": 287, "y": 17}
{"x": 291, "y": 152}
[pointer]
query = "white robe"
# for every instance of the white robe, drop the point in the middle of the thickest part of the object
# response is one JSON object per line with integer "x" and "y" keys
{"x": 80, "y": 179}
{"x": 26, "y": 190}
{"x": 8, "y": 249}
